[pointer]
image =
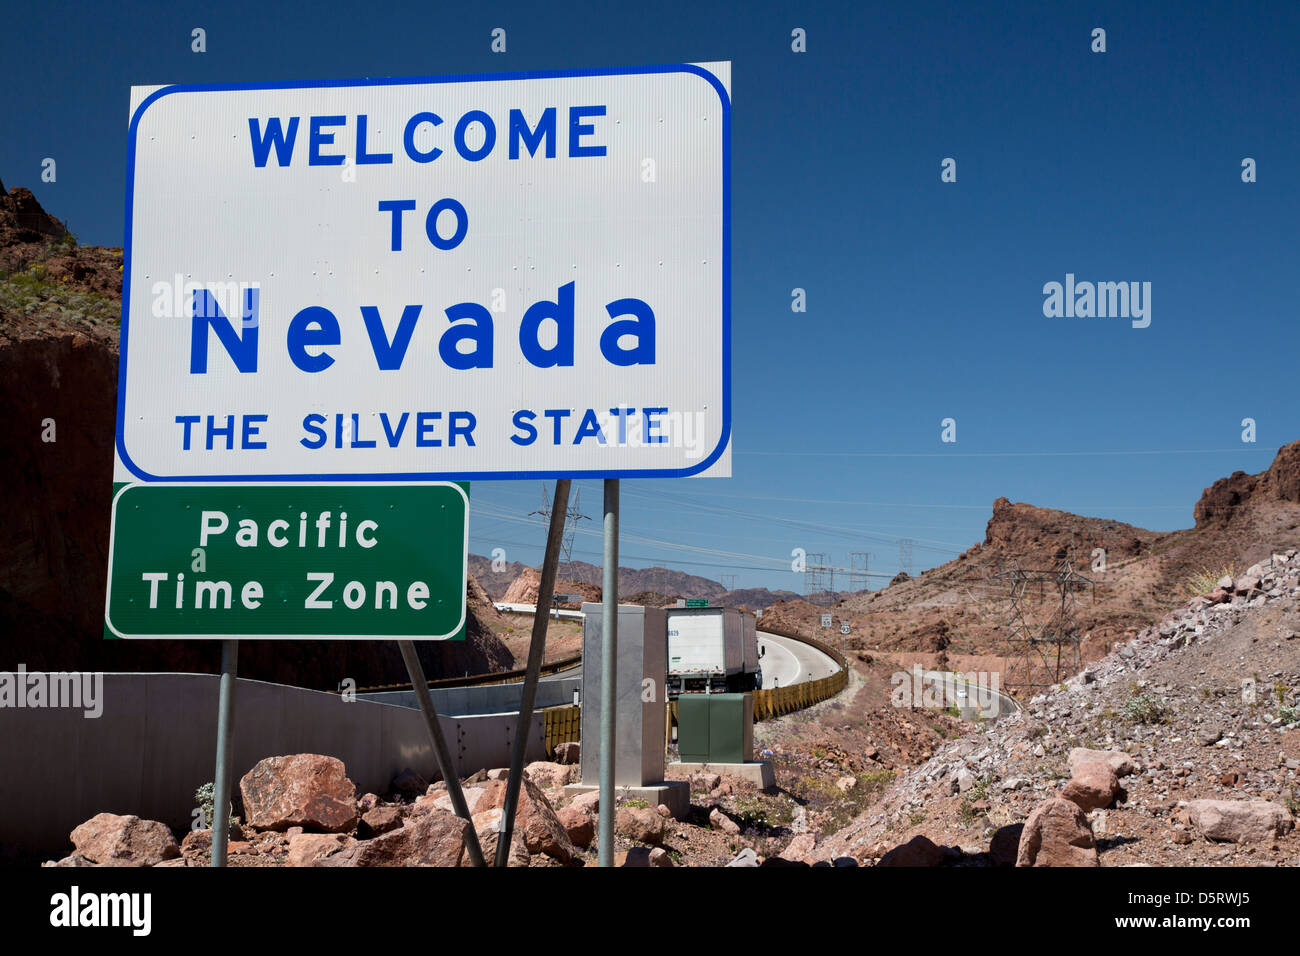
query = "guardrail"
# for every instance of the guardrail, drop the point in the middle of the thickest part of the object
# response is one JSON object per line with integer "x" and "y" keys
{"x": 480, "y": 680}
{"x": 782, "y": 700}
{"x": 563, "y": 725}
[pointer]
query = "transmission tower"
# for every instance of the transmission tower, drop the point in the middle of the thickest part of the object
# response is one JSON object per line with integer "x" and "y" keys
{"x": 818, "y": 576}
{"x": 1043, "y": 634}
{"x": 859, "y": 573}
{"x": 905, "y": 555}
{"x": 729, "y": 581}
{"x": 572, "y": 515}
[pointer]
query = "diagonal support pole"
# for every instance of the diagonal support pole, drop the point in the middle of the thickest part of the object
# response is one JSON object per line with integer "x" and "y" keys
{"x": 458, "y": 805}
{"x": 536, "y": 652}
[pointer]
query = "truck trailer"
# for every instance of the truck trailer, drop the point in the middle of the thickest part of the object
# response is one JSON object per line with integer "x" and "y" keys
{"x": 712, "y": 650}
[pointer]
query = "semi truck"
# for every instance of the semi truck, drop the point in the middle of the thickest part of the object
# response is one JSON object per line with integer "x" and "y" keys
{"x": 712, "y": 650}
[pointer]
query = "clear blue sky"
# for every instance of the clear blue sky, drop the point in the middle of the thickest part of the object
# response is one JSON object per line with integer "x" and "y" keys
{"x": 924, "y": 298}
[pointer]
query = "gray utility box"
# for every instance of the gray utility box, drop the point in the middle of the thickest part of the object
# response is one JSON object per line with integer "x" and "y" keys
{"x": 639, "y": 724}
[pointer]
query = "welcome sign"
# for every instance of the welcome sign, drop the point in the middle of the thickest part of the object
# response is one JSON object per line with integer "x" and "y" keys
{"x": 505, "y": 276}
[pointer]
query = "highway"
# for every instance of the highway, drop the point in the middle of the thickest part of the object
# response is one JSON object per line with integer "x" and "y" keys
{"x": 786, "y": 661}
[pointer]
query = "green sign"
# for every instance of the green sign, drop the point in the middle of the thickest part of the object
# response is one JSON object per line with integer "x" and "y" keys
{"x": 697, "y": 602}
{"x": 351, "y": 560}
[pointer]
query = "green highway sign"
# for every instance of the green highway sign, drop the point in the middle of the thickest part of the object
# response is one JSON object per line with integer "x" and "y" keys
{"x": 697, "y": 602}
{"x": 344, "y": 560}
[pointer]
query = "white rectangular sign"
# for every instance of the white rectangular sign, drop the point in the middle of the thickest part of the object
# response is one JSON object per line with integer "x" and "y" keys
{"x": 504, "y": 276}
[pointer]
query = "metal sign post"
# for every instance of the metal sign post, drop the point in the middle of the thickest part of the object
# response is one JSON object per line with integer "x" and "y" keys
{"x": 608, "y": 672}
{"x": 225, "y": 749}
{"x": 536, "y": 651}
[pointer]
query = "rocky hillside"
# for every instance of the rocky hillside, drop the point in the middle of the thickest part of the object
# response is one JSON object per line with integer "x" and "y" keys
{"x": 1181, "y": 747}
{"x": 960, "y": 608}
{"x": 59, "y": 313}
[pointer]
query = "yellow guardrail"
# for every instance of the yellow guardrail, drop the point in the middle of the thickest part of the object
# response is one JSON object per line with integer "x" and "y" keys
{"x": 563, "y": 725}
{"x": 783, "y": 700}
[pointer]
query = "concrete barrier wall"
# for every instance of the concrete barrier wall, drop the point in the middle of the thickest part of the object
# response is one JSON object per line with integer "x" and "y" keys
{"x": 155, "y": 745}
{"x": 488, "y": 699}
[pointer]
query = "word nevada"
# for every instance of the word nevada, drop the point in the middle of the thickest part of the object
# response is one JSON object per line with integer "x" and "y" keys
{"x": 1102, "y": 300}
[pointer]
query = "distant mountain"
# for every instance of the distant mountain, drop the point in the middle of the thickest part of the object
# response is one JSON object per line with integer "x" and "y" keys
{"x": 630, "y": 580}
{"x": 756, "y": 598}
{"x": 653, "y": 586}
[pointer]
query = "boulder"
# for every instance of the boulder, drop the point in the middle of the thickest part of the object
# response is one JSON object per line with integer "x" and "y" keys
{"x": 568, "y": 753}
{"x": 800, "y": 848}
{"x": 112, "y": 840}
{"x": 1057, "y": 833}
{"x": 1240, "y": 821}
{"x": 309, "y": 849}
{"x": 745, "y": 858}
{"x": 197, "y": 846}
{"x": 720, "y": 821}
{"x": 1004, "y": 847}
{"x": 578, "y": 825}
{"x": 1246, "y": 583}
{"x": 659, "y": 857}
{"x": 491, "y": 794}
{"x": 1119, "y": 762}
{"x": 305, "y": 790}
{"x": 435, "y": 839}
{"x": 918, "y": 851}
{"x": 1093, "y": 786}
{"x": 542, "y": 831}
{"x": 640, "y": 824}
{"x": 487, "y": 824}
{"x": 549, "y": 776}
{"x": 708, "y": 781}
{"x": 588, "y": 802}
{"x": 379, "y": 820}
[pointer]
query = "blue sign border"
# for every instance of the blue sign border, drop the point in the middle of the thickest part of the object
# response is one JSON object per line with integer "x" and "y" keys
{"x": 408, "y": 81}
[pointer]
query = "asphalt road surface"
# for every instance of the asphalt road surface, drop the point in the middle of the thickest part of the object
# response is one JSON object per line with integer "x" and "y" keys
{"x": 786, "y": 661}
